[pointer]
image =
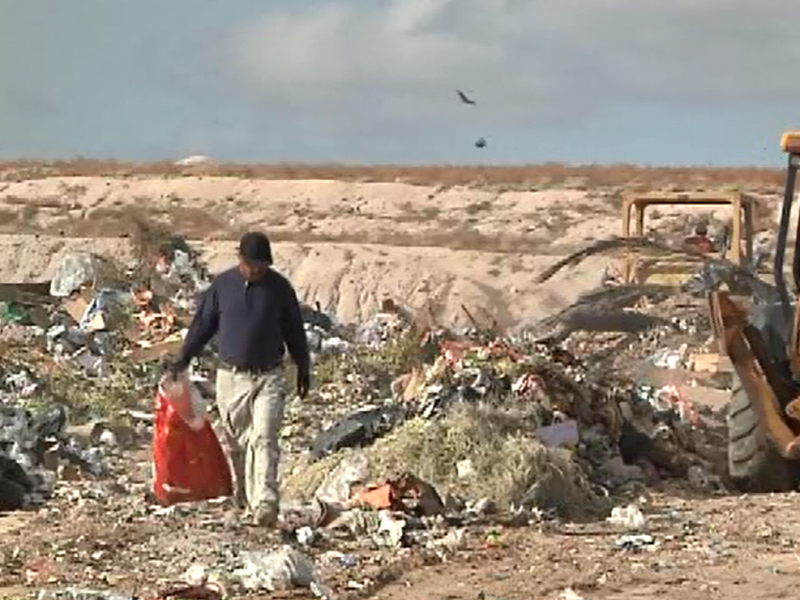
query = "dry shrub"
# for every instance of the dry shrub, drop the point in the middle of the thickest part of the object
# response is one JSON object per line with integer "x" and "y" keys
{"x": 510, "y": 465}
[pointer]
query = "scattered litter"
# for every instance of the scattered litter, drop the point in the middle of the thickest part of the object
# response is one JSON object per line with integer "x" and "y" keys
{"x": 12, "y": 313}
{"x": 72, "y": 273}
{"x": 560, "y": 435}
{"x": 340, "y": 559}
{"x": 667, "y": 358}
{"x": 380, "y": 498}
{"x": 82, "y": 594}
{"x": 306, "y": 537}
{"x": 465, "y": 468}
{"x": 483, "y": 507}
{"x": 494, "y": 539}
{"x": 196, "y": 575}
{"x": 277, "y": 570}
{"x": 454, "y": 540}
{"x": 636, "y": 542}
{"x": 391, "y": 530}
{"x": 339, "y": 483}
{"x": 357, "y": 429}
{"x": 516, "y": 430}
{"x": 629, "y": 517}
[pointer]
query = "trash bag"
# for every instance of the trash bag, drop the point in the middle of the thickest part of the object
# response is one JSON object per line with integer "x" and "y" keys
{"x": 278, "y": 570}
{"x": 15, "y": 485}
{"x": 357, "y": 429}
{"x": 189, "y": 463}
{"x": 185, "y": 399}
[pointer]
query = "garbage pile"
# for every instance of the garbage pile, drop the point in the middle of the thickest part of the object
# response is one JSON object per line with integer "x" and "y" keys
{"x": 506, "y": 423}
{"x": 411, "y": 438}
{"x": 36, "y": 450}
{"x": 107, "y": 326}
{"x": 77, "y": 350}
{"x": 88, "y": 343}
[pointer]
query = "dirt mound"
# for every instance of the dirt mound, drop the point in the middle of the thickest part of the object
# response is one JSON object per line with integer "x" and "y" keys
{"x": 353, "y": 280}
{"x": 347, "y": 245}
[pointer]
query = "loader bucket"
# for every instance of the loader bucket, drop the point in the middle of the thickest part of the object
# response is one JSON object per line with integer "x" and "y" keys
{"x": 767, "y": 389}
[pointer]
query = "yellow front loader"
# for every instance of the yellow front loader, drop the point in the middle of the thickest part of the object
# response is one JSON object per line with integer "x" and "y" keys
{"x": 762, "y": 342}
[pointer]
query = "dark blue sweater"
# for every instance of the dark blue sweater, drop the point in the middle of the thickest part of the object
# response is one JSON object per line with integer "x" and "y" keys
{"x": 254, "y": 323}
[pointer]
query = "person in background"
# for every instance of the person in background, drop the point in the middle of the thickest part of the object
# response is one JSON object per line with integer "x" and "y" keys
{"x": 700, "y": 240}
{"x": 255, "y": 314}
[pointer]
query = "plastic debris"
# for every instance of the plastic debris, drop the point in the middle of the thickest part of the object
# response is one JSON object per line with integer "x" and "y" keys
{"x": 11, "y": 312}
{"x": 636, "y": 542}
{"x": 667, "y": 358}
{"x": 306, "y": 536}
{"x": 185, "y": 399}
{"x": 338, "y": 485}
{"x": 383, "y": 327}
{"x": 494, "y": 539}
{"x": 72, "y": 273}
{"x": 276, "y": 570}
{"x": 390, "y": 531}
{"x": 101, "y": 312}
{"x": 560, "y": 435}
{"x": 15, "y": 485}
{"x": 340, "y": 559}
{"x": 667, "y": 402}
{"x": 189, "y": 464}
{"x": 82, "y": 594}
{"x": 334, "y": 345}
{"x": 570, "y": 594}
{"x": 196, "y": 575}
{"x": 465, "y": 469}
{"x": 383, "y": 497}
{"x": 357, "y": 429}
{"x": 455, "y": 539}
{"x": 629, "y": 517}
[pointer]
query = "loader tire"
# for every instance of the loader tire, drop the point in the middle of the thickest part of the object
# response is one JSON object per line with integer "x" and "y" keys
{"x": 753, "y": 462}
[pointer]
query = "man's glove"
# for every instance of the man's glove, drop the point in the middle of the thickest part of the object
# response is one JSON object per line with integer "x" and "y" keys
{"x": 303, "y": 383}
{"x": 174, "y": 368}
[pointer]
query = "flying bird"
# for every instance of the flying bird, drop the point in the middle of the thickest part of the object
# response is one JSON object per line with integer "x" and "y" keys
{"x": 480, "y": 143}
{"x": 465, "y": 99}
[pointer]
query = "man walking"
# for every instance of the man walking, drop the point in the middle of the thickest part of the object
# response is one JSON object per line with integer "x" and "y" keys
{"x": 255, "y": 315}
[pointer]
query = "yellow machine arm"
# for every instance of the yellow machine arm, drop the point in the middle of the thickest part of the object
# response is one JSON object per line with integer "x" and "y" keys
{"x": 790, "y": 142}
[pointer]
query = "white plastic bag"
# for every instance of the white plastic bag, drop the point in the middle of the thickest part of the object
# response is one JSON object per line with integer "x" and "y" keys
{"x": 185, "y": 399}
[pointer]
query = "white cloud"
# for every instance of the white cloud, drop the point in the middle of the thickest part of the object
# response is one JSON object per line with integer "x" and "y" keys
{"x": 527, "y": 61}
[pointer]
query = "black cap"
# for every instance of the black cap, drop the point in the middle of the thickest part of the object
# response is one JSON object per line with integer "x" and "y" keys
{"x": 255, "y": 247}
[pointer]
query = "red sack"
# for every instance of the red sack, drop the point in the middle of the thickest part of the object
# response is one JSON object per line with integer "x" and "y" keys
{"x": 188, "y": 460}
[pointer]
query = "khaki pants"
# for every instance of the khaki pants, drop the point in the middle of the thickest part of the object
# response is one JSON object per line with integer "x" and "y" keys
{"x": 251, "y": 407}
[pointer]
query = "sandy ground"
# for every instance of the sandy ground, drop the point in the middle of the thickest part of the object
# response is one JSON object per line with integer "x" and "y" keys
{"x": 736, "y": 548}
{"x": 346, "y": 245}
{"x": 733, "y": 548}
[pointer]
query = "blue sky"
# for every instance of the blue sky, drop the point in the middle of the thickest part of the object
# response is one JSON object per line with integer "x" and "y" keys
{"x": 651, "y": 81}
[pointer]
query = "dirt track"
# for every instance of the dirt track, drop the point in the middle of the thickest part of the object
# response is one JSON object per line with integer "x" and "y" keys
{"x": 735, "y": 548}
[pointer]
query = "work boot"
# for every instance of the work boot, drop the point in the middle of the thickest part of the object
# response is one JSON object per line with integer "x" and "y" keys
{"x": 266, "y": 515}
